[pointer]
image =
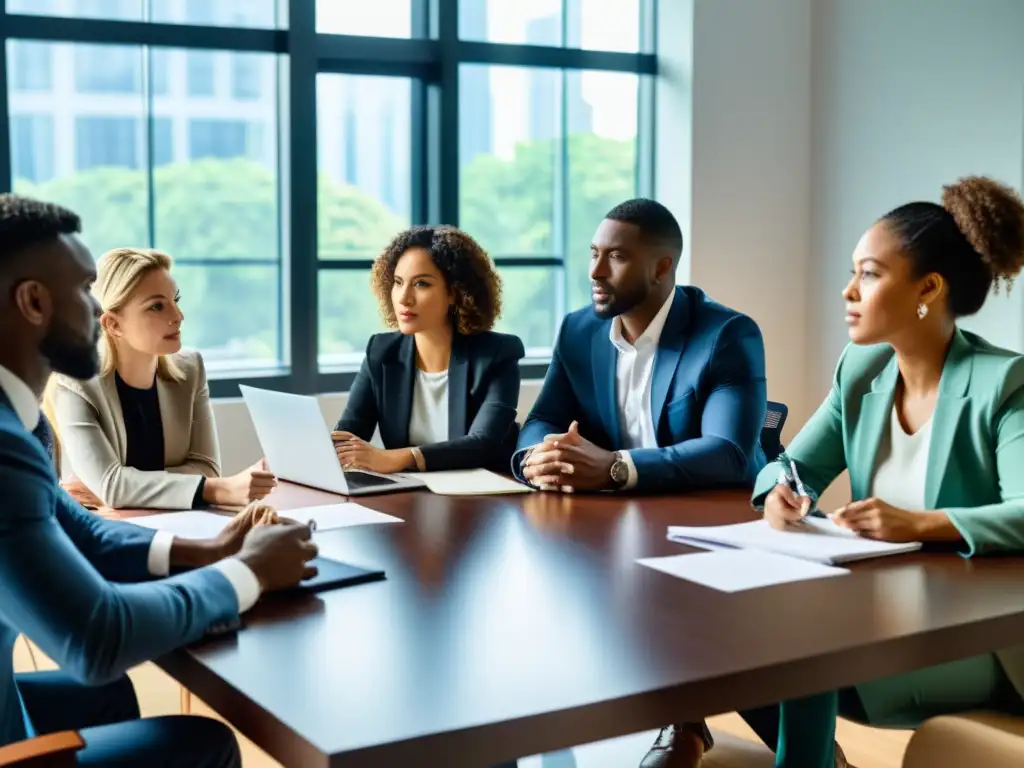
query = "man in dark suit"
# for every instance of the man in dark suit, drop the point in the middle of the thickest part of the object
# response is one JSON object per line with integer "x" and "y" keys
{"x": 655, "y": 387}
{"x": 92, "y": 593}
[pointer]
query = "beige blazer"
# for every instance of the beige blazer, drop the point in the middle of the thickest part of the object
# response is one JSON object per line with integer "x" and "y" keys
{"x": 91, "y": 427}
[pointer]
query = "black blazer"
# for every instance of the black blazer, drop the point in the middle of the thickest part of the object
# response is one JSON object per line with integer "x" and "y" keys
{"x": 483, "y": 393}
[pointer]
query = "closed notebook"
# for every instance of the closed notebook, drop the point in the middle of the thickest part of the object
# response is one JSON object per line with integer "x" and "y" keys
{"x": 815, "y": 538}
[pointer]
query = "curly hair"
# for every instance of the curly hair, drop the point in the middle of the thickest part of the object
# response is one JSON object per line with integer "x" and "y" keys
{"x": 975, "y": 239}
{"x": 468, "y": 272}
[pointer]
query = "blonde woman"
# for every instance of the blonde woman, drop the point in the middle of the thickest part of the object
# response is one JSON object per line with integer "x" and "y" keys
{"x": 141, "y": 433}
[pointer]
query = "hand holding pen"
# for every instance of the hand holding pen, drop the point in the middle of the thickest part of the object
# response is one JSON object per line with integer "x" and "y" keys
{"x": 789, "y": 502}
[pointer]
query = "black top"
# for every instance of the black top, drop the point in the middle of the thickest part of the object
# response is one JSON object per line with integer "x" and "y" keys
{"x": 144, "y": 432}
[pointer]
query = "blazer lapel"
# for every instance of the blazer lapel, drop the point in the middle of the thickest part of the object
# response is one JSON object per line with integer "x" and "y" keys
{"x": 399, "y": 375}
{"x": 956, "y": 375}
{"x": 670, "y": 350}
{"x": 875, "y": 408}
{"x": 458, "y": 383}
{"x": 604, "y": 359}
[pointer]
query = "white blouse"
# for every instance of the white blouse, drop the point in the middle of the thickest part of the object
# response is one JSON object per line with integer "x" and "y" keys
{"x": 902, "y": 466}
{"x": 428, "y": 421}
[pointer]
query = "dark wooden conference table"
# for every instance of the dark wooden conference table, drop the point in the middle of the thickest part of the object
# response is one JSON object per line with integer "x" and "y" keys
{"x": 515, "y": 625}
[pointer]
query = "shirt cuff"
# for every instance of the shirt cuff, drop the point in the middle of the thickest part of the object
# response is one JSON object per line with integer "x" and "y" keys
{"x": 628, "y": 459}
{"x": 244, "y": 581}
{"x": 158, "y": 563}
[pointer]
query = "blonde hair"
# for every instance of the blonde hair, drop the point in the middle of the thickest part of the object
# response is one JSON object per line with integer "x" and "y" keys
{"x": 118, "y": 274}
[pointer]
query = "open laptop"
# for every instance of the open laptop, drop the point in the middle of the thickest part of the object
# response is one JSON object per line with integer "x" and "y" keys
{"x": 298, "y": 447}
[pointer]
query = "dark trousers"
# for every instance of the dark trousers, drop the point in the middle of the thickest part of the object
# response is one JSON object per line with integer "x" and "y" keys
{"x": 107, "y": 718}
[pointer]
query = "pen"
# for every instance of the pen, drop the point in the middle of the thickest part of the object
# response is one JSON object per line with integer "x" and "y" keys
{"x": 789, "y": 475}
{"x": 796, "y": 479}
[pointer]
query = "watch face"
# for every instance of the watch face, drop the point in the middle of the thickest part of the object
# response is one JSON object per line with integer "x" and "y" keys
{"x": 620, "y": 472}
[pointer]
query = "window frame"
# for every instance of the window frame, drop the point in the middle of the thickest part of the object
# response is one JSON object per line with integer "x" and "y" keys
{"x": 431, "y": 58}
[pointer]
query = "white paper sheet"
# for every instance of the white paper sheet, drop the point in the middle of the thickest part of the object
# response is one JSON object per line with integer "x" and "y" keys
{"x": 195, "y": 524}
{"x": 190, "y": 524}
{"x": 737, "y": 570}
{"x": 815, "y": 538}
{"x": 470, "y": 482}
{"x": 339, "y": 516}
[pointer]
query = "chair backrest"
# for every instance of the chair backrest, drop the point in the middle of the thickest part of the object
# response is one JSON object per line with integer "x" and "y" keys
{"x": 771, "y": 432}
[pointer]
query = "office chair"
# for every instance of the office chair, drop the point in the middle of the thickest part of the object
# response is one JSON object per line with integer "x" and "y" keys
{"x": 771, "y": 432}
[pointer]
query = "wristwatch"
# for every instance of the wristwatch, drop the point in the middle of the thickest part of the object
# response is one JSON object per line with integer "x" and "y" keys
{"x": 619, "y": 470}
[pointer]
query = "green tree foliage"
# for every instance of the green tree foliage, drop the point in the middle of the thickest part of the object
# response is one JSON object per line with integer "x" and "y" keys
{"x": 224, "y": 210}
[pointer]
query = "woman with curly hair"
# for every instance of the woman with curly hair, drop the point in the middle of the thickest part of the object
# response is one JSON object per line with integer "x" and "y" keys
{"x": 444, "y": 388}
{"x": 929, "y": 421}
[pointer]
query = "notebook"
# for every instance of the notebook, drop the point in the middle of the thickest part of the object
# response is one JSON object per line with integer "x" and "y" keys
{"x": 815, "y": 538}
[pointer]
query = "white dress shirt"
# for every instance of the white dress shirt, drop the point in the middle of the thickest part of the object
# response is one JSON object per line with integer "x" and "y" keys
{"x": 634, "y": 370}
{"x": 158, "y": 560}
{"x": 902, "y": 466}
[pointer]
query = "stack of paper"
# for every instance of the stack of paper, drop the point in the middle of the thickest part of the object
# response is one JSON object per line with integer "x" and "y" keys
{"x": 470, "y": 482}
{"x": 344, "y": 515}
{"x": 815, "y": 538}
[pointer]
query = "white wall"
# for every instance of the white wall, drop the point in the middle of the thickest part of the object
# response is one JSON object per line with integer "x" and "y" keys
{"x": 734, "y": 110}
{"x": 908, "y": 96}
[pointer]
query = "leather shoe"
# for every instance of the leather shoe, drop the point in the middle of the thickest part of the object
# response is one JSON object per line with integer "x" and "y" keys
{"x": 679, "y": 746}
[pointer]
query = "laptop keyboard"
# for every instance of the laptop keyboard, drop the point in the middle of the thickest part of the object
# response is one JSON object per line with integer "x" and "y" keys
{"x": 356, "y": 479}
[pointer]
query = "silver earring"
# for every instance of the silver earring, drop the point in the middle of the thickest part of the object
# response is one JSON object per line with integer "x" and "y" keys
{"x": 922, "y": 311}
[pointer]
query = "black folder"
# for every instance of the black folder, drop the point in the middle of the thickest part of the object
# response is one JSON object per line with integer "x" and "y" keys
{"x": 334, "y": 574}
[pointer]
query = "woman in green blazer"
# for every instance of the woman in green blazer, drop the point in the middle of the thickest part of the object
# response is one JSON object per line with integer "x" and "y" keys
{"x": 929, "y": 421}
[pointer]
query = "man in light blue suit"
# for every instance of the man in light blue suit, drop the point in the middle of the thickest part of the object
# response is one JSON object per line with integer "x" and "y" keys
{"x": 655, "y": 388}
{"x": 94, "y": 594}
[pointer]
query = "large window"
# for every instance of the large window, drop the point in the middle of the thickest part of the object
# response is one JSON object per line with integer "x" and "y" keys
{"x": 545, "y": 154}
{"x": 364, "y": 129}
{"x": 153, "y": 167}
{"x": 274, "y": 148}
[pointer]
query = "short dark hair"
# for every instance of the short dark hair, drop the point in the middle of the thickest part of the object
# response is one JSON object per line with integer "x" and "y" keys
{"x": 468, "y": 272}
{"x": 974, "y": 239}
{"x": 25, "y": 222}
{"x": 655, "y": 221}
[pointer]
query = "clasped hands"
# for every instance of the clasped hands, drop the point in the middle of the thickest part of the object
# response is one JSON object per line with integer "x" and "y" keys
{"x": 568, "y": 462}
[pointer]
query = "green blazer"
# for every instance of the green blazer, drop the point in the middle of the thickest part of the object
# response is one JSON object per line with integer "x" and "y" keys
{"x": 975, "y": 458}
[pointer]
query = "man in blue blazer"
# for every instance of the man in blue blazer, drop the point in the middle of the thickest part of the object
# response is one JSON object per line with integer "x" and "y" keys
{"x": 94, "y": 594}
{"x": 655, "y": 387}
